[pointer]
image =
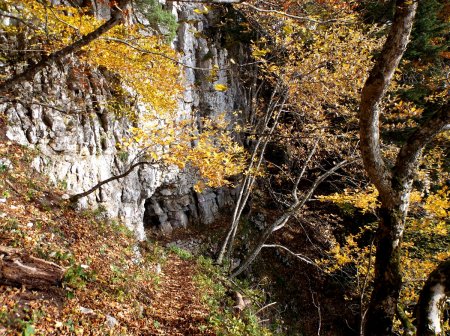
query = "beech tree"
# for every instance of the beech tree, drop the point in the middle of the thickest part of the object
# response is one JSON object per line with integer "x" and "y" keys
{"x": 394, "y": 184}
{"x": 145, "y": 70}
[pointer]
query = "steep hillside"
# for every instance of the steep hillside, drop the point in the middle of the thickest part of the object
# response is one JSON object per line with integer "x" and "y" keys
{"x": 140, "y": 138}
{"x": 112, "y": 285}
{"x": 108, "y": 285}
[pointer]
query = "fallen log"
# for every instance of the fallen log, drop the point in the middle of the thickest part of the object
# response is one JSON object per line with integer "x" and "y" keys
{"x": 18, "y": 268}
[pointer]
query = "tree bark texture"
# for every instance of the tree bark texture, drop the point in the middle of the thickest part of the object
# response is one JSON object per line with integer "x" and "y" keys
{"x": 374, "y": 90}
{"x": 408, "y": 157}
{"x": 408, "y": 328}
{"x": 388, "y": 279}
{"x": 432, "y": 301}
{"x": 117, "y": 16}
{"x": 394, "y": 198}
{"x": 18, "y": 268}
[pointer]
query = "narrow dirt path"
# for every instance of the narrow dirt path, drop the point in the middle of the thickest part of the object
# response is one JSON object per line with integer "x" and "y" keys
{"x": 176, "y": 306}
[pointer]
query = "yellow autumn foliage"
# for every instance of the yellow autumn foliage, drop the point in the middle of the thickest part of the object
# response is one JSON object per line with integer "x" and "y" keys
{"x": 364, "y": 200}
{"x": 124, "y": 50}
{"x": 212, "y": 152}
{"x": 145, "y": 67}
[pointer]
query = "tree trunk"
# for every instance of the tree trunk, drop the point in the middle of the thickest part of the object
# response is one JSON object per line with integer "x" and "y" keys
{"x": 271, "y": 116}
{"x": 117, "y": 16}
{"x": 373, "y": 92}
{"x": 259, "y": 245}
{"x": 432, "y": 301}
{"x": 393, "y": 190}
{"x": 388, "y": 279}
{"x": 408, "y": 328}
{"x": 18, "y": 268}
{"x": 282, "y": 220}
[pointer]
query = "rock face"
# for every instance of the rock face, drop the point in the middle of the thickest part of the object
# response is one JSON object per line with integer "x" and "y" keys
{"x": 76, "y": 134}
{"x": 177, "y": 205}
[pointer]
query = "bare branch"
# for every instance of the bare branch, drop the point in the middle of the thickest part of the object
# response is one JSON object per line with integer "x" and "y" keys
{"x": 76, "y": 197}
{"x": 14, "y": 17}
{"x": 305, "y": 166}
{"x": 363, "y": 311}
{"x": 149, "y": 52}
{"x": 297, "y": 255}
{"x": 283, "y": 219}
{"x": 146, "y": 51}
{"x": 265, "y": 307}
{"x": 255, "y": 163}
{"x": 62, "y": 21}
{"x": 408, "y": 157}
{"x": 319, "y": 313}
{"x": 295, "y": 17}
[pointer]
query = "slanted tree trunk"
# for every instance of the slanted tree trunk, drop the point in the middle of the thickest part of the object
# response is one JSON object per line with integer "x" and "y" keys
{"x": 387, "y": 281}
{"x": 118, "y": 10}
{"x": 432, "y": 301}
{"x": 283, "y": 219}
{"x": 18, "y": 268}
{"x": 76, "y": 197}
{"x": 408, "y": 328}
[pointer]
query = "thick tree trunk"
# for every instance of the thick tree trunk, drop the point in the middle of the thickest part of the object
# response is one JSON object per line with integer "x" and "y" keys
{"x": 394, "y": 187}
{"x": 432, "y": 301}
{"x": 388, "y": 280}
{"x": 18, "y": 268}
{"x": 373, "y": 92}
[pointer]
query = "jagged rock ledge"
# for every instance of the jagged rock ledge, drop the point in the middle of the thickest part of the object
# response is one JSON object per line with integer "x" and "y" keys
{"x": 64, "y": 114}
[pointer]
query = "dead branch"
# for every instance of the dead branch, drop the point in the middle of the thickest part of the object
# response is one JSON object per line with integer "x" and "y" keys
{"x": 76, "y": 197}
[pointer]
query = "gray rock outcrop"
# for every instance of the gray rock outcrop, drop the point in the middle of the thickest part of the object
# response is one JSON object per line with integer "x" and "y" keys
{"x": 64, "y": 113}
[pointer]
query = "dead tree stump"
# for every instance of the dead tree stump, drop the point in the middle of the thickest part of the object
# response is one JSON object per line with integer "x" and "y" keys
{"x": 18, "y": 268}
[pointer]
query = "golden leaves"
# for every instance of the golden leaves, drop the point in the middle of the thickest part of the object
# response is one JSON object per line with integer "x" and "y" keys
{"x": 211, "y": 151}
{"x": 204, "y": 10}
{"x": 220, "y": 87}
{"x": 144, "y": 63}
{"x": 364, "y": 200}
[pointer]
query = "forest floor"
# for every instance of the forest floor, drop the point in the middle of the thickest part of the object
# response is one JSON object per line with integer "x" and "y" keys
{"x": 176, "y": 305}
{"x": 108, "y": 288}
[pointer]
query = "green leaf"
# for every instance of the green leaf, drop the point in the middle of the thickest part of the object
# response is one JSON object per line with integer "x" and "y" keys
{"x": 28, "y": 331}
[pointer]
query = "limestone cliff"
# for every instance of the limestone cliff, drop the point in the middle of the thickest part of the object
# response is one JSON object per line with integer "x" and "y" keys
{"x": 64, "y": 114}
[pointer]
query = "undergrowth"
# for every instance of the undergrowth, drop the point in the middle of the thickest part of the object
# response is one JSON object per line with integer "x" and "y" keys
{"x": 108, "y": 274}
{"x": 224, "y": 319}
